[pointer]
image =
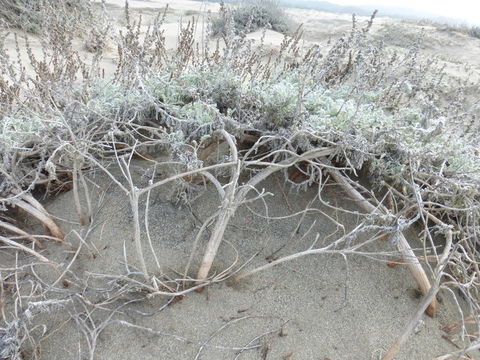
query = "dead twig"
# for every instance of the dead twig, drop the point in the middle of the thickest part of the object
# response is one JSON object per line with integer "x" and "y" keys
{"x": 34, "y": 208}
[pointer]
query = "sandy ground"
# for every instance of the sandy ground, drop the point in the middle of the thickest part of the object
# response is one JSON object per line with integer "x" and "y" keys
{"x": 328, "y": 307}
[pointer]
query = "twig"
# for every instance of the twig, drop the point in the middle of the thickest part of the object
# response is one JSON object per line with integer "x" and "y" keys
{"x": 18, "y": 231}
{"x": 426, "y": 301}
{"x": 457, "y": 354}
{"x": 24, "y": 248}
{"x": 39, "y": 212}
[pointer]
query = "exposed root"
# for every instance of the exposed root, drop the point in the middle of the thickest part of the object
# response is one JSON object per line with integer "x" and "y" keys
{"x": 20, "y": 232}
{"x": 399, "y": 261}
{"x": 459, "y": 354}
{"x": 450, "y": 328}
{"x": 403, "y": 246}
{"x": 24, "y": 248}
{"x": 35, "y": 209}
{"x": 427, "y": 299}
{"x": 228, "y": 209}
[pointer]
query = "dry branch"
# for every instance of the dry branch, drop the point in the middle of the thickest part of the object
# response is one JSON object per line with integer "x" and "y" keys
{"x": 427, "y": 300}
{"x": 330, "y": 249}
{"x": 398, "y": 238}
{"x": 20, "y": 232}
{"x": 458, "y": 354}
{"x": 83, "y": 217}
{"x": 227, "y": 210}
{"x": 234, "y": 198}
{"x": 24, "y": 248}
{"x": 393, "y": 263}
{"x": 34, "y": 208}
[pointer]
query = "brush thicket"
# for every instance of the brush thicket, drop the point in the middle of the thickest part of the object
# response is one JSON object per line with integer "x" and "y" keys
{"x": 326, "y": 113}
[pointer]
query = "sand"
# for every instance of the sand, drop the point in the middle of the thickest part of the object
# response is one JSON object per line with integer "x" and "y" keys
{"x": 327, "y": 307}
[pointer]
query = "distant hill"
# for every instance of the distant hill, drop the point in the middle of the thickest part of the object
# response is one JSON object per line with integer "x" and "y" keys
{"x": 326, "y": 6}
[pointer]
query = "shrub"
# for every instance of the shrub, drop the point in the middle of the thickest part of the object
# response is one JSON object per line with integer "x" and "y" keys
{"x": 375, "y": 109}
{"x": 32, "y": 15}
{"x": 22, "y": 14}
{"x": 474, "y": 31}
{"x": 192, "y": 12}
{"x": 250, "y": 15}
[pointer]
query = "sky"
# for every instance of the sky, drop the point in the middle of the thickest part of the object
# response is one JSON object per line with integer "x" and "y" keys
{"x": 466, "y": 10}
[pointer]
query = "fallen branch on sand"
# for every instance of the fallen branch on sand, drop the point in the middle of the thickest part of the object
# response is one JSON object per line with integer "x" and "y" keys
{"x": 24, "y": 248}
{"x": 408, "y": 256}
{"x": 403, "y": 246}
{"x": 31, "y": 206}
{"x": 12, "y": 228}
{"x": 428, "y": 298}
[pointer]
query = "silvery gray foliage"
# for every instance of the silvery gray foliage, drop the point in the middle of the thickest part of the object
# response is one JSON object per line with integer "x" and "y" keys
{"x": 251, "y": 15}
{"x": 378, "y": 110}
{"x": 14, "y": 333}
{"x": 9, "y": 341}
